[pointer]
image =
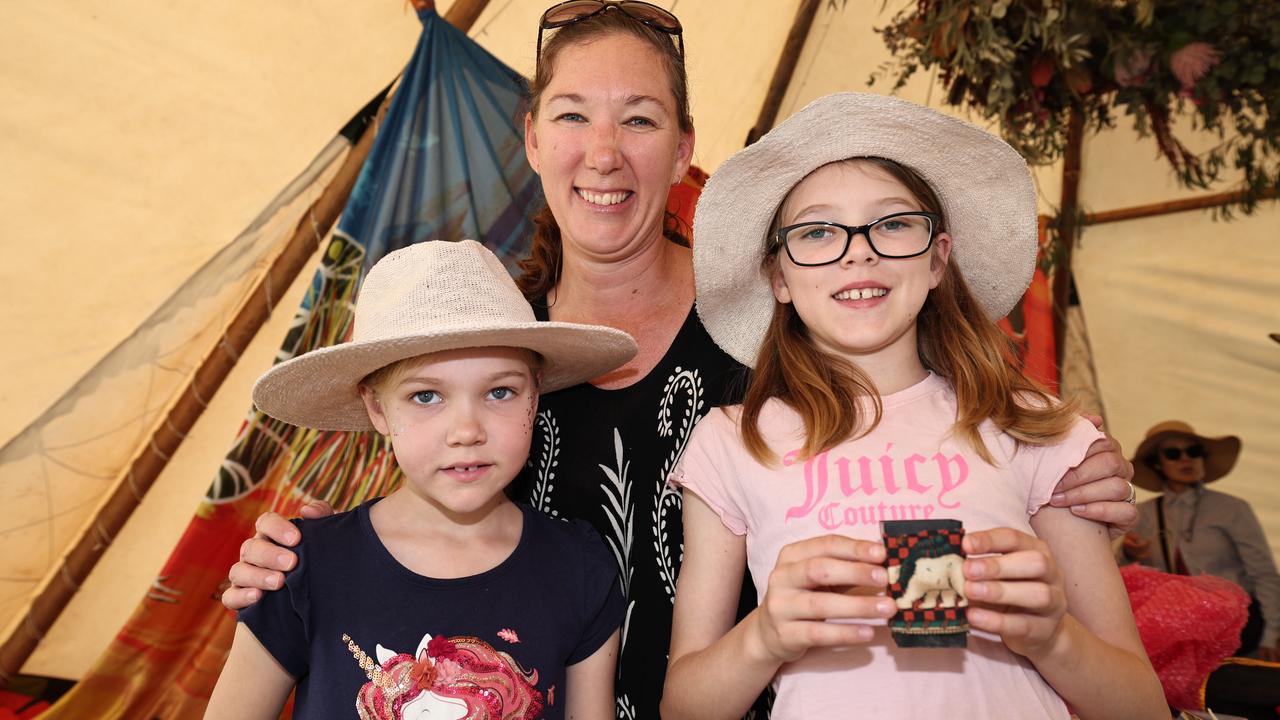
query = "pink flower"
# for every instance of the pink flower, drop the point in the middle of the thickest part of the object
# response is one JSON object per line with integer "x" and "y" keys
{"x": 448, "y": 671}
{"x": 1132, "y": 71}
{"x": 509, "y": 635}
{"x": 1191, "y": 61}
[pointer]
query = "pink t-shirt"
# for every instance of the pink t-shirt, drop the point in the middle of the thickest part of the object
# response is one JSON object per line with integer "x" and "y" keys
{"x": 909, "y": 467}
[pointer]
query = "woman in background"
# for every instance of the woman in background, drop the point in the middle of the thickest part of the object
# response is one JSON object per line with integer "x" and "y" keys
{"x": 1192, "y": 530}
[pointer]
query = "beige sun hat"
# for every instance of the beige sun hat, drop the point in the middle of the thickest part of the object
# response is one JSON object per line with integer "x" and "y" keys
{"x": 425, "y": 298}
{"x": 1220, "y": 453}
{"x": 985, "y": 187}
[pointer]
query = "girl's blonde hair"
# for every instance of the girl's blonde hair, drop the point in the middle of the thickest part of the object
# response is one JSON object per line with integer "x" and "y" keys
{"x": 388, "y": 376}
{"x": 956, "y": 340}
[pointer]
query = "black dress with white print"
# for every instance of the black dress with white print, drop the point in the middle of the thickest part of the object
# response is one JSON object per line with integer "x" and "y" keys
{"x": 603, "y": 456}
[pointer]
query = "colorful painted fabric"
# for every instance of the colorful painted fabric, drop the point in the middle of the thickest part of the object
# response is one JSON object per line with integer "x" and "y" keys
{"x": 449, "y": 161}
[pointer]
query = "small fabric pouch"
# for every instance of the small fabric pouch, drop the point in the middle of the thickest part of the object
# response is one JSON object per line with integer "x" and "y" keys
{"x": 926, "y": 580}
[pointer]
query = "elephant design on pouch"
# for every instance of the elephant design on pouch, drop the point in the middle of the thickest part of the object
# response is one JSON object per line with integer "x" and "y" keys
{"x": 930, "y": 579}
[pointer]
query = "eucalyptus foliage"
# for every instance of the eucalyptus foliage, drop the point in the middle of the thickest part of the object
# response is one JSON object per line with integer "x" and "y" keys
{"x": 1030, "y": 64}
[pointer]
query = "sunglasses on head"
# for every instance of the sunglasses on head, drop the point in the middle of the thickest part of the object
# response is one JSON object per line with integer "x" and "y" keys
{"x": 1192, "y": 451}
{"x": 572, "y": 11}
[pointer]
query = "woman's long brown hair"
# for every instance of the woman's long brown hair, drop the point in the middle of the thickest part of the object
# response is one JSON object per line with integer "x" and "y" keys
{"x": 956, "y": 340}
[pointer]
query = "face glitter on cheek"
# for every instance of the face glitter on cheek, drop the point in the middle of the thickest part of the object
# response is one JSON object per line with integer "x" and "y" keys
{"x": 396, "y": 425}
{"x": 528, "y": 416}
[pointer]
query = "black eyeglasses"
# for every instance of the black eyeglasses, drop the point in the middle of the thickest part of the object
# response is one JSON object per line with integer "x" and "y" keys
{"x": 896, "y": 236}
{"x": 1192, "y": 451}
{"x": 572, "y": 11}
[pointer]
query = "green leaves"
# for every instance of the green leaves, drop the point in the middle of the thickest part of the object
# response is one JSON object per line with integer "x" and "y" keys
{"x": 1028, "y": 64}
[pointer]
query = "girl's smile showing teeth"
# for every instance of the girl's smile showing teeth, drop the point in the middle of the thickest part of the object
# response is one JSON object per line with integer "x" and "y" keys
{"x": 467, "y": 473}
{"x": 603, "y": 198}
{"x": 866, "y": 293}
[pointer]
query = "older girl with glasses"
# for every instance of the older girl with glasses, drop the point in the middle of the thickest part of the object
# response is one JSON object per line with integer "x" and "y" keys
{"x": 857, "y": 257}
{"x": 609, "y": 132}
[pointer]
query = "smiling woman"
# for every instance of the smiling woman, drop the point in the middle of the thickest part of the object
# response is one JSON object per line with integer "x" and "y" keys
{"x": 608, "y": 136}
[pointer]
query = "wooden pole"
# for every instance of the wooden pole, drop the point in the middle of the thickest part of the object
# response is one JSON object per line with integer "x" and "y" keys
{"x": 97, "y": 536}
{"x": 785, "y": 69}
{"x": 1068, "y": 209}
{"x": 1173, "y": 206}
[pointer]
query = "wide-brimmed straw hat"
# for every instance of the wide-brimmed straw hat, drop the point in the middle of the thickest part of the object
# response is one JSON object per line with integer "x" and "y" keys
{"x": 1220, "y": 453}
{"x": 426, "y": 298}
{"x": 987, "y": 195}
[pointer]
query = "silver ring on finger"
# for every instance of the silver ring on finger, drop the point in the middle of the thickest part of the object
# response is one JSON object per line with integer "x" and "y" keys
{"x": 1133, "y": 494}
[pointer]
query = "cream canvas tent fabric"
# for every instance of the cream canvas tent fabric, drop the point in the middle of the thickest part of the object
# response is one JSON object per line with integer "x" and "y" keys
{"x": 141, "y": 139}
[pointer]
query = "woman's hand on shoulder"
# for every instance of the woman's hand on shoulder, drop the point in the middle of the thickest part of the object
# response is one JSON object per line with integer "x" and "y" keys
{"x": 1017, "y": 592}
{"x": 1098, "y": 488}
{"x": 831, "y": 577}
{"x": 264, "y": 558}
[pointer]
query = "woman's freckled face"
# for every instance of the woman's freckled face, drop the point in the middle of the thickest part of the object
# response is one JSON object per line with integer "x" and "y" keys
{"x": 607, "y": 144}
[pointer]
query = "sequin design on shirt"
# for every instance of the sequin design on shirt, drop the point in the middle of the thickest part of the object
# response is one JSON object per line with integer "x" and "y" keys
{"x": 459, "y": 678}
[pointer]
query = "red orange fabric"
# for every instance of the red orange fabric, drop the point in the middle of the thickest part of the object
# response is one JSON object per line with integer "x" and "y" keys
{"x": 1030, "y": 325}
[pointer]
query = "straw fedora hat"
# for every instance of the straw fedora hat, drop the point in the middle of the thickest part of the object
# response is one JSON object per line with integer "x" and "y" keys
{"x": 426, "y": 298}
{"x": 985, "y": 188}
{"x": 1220, "y": 453}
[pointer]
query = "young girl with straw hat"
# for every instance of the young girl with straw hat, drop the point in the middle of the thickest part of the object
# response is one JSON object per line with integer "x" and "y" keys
{"x": 856, "y": 257}
{"x": 426, "y": 603}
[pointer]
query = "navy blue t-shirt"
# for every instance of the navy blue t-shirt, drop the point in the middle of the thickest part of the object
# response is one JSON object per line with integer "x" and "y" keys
{"x": 502, "y": 638}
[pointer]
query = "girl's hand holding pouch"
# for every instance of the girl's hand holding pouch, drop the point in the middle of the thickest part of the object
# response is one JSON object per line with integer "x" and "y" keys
{"x": 1017, "y": 591}
{"x": 830, "y": 577}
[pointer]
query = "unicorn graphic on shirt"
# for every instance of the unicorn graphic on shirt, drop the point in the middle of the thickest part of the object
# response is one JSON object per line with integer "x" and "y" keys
{"x": 460, "y": 678}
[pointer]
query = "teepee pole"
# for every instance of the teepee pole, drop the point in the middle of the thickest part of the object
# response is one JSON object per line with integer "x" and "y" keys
{"x": 1068, "y": 210}
{"x": 785, "y": 69}
{"x": 60, "y": 585}
{"x": 1203, "y": 202}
